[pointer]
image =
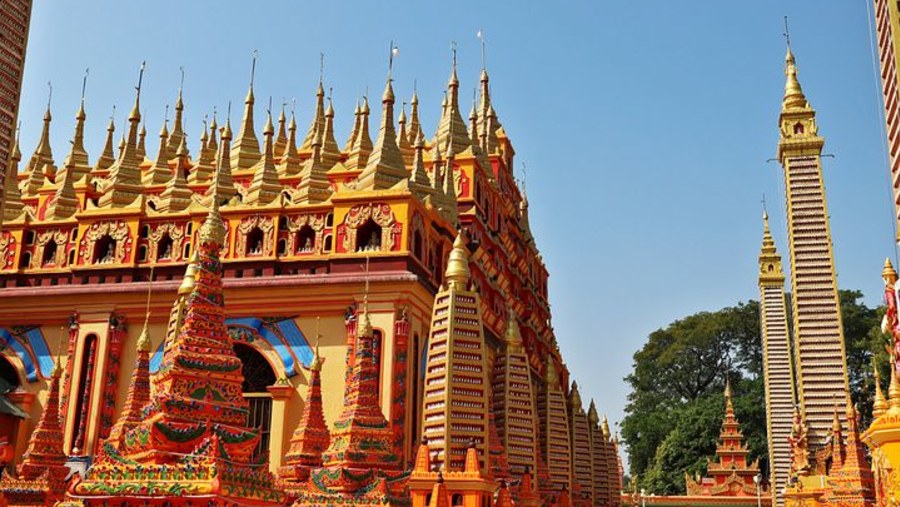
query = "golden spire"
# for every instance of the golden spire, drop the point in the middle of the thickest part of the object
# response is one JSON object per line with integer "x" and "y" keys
{"x": 265, "y": 188}
{"x": 159, "y": 172}
{"x": 211, "y": 144}
{"x": 79, "y": 154}
{"x": 331, "y": 153}
{"x": 406, "y": 148}
{"x": 289, "y": 164}
{"x": 65, "y": 203}
{"x": 223, "y": 183}
{"x": 362, "y": 144}
{"x": 551, "y": 375}
{"x": 880, "y": 405}
{"x": 42, "y": 159}
{"x": 108, "y": 156}
{"x": 12, "y": 204}
{"x": 513, "y": 333}
{"x": 384, "y": 167}
{"x": 415, "y": 128}
{"x": 190, "y": 274}
{"x": 245, "y": 151}
{"x": 203, "y": 166}
{"x": 452, "y": 127}
{"x": 419, "y": 181}
{"x": 605, "y": 426}
{"x": 281, "y": 136}
{"x": 314, "y": 186}
{"x": 174, "y": 140}
{"x": 318, "y": 121}
{"x": 593, "y": 417}
{"x": 793, "y": 93}
{"x": 177, "y": 195}
{"x": 575, "y": 399}
{"x": 355, "y": 130}
{"x": 142, "y": 144}
{"x": 457, "y": 273}
{"x": 125, "y": 175}
{"x": 770, "y": 268}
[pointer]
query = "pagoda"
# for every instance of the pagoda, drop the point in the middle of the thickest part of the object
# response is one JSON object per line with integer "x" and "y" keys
{"x": 730, "y": 474}
{"x": 582, "y": 452}
{"x": 359, "y": 466}
{"x": 191, "y": 444}
{"x": 40, "y": 478}
{"x": 311, "y": 438}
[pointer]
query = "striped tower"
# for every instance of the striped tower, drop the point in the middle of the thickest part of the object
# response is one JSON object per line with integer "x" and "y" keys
{"x": 455, "y": 402}
{"x": 598, "y": 457}
{"x": 887, "y": 24}
{"x": 555, "y": 444}
{"x": 514, "y": 409}
{"x": 582, "y": 455}
{"x": 777, "y": 366}
{"x": 819, "y": 337}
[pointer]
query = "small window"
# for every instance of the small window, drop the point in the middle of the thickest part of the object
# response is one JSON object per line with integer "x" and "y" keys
{"x": 145, "y": 231}
{"x": 49, "y": 254}
{"x": 72, "y": 257}
{"x": 187, "y": 251}
{"x": 306, "y": 239}
{"x": 164, "y": 248}
{"x": 142, "y": 253}
{"x": 74, "y": 234}
{"x": 282, "y": 246}
{"x": 329, "y": 220}
{"x": 190, "y": 228}
{"x": 327, "y": 245}
{"x": 105, "y": 250}
{"x": 254, "y": 242}
{"x": 798, "y": 128}
{"x": 368, "y": 237}
{"x": 29, "y": 237}
{"x": 26, "y": 260}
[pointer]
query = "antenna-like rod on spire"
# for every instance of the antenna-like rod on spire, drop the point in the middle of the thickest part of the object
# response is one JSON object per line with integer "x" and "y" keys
{"x": 321, "y": 68}
{"x": 330, "y": 92}
{"x": 524, "y": 177}
{"x": 765, "y": 211}
{"x": 228, "y": 118}
{"x": 141, "y": 78}
{"x": 293, "y": 105}
{"x": 393, "y": 52}
{"x": 787, "y": 33}
{"x": 112, "y": 117}
{"x": 49, "y": 93}
{"x": 366, "y": 293}
{"x": 415, "y": 86}
{"x": 253, "y": 67}
{"x": 480, "y": 36}
{"x": 84, "y": 83}
{"x": 453, "y": 48}
{"x": 181, "y": 85}
{"x": 166, "y": 117}
{"x": 269, "y": 110}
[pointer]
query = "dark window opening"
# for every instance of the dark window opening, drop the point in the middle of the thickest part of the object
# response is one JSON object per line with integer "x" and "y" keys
{"x": 327, "y": 245}
{"x": 164, "y": 248}
{"x": 258, "y": 375}
{"x": 49, "y": 254}
{"x": 105, "y": 250}
{"x": 417, "y": 244}
{"x": 254, "y": 242}
{"x": 368, "y": 237}
{"x": 306, "y": 239}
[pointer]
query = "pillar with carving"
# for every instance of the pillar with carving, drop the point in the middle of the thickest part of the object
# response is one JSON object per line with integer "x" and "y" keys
{"x": 399, "y": 385}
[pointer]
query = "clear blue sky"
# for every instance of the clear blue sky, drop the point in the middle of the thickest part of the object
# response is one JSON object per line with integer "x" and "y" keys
{"x": 645, "y": 126}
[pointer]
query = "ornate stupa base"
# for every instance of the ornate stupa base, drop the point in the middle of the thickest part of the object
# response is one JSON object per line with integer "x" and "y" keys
{"x": 344, "y": 486}
{"x": 206, "y": 477}
{"x": 46, "y": 489}
{"x": 807, "y": 491}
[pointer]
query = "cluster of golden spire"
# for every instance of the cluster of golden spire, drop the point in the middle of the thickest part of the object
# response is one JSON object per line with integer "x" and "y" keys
{"x": 396, "y": 158}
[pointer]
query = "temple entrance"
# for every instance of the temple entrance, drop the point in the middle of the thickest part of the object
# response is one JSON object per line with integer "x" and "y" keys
{"x": 258, "y": 375}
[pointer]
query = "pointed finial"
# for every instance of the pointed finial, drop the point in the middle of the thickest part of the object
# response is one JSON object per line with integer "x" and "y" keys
{"x": 458, "y": 273}
{"x": 787, "y": 33}
{"x": 888, "y": 273}
{"x": 87, "y": 71}
{"x": 394, "y": 51}
{"x": 480, "y": 36}
{"x": 453, "y": 48}
{"x": 181, "y": 84}
{"x": 49, "y": 94}
{"x": 253, "y": 67}
{"x": 321, "y": 68}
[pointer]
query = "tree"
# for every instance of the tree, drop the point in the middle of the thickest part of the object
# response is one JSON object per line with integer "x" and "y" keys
{"x": 675, "y": 407}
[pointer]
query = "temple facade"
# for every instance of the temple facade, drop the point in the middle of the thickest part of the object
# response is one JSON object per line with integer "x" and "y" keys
{"x": 379, "y": 292}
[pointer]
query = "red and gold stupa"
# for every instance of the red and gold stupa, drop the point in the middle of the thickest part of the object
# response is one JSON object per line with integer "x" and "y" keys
{"x": 191, "y": 444}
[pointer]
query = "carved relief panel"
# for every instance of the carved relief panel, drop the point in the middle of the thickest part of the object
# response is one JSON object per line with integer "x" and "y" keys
{"x": 369, "y": 228}
{"x": 306, "y": 234}
{"x": 7, "y": 250}
{"x": 105, "y": 243}
{"x": 166, "y": 242}
{"x": 255, "y": 237}
{"x": 51, "y": 251}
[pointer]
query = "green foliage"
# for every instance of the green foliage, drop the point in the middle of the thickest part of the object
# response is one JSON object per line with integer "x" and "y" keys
{"x": 675, "y": 409}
